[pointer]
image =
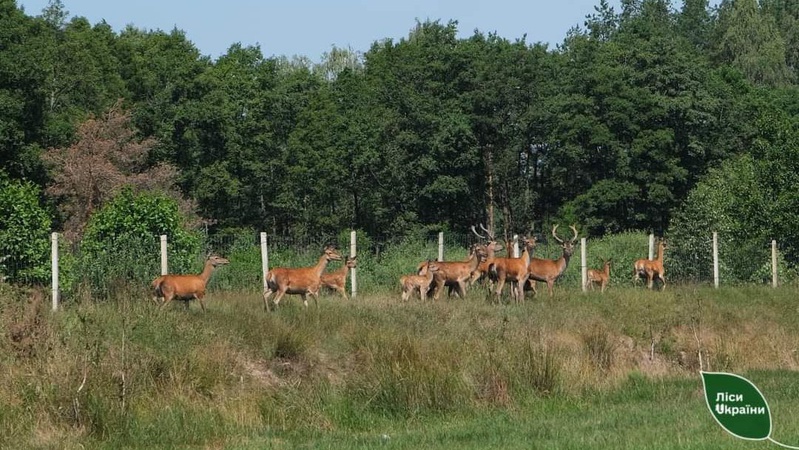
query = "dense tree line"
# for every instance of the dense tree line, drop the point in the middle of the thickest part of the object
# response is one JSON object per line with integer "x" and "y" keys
{"x": 611, "y": 129}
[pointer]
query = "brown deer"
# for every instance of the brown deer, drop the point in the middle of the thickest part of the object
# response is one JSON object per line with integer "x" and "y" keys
{"x": 186, "y": 287}
{"x": 600, "y": 277}
{"x": 513, "y": 270}
{"x": 651, "y": 269}
{"x": 298, "y": 281}
{"x": 337, "y": 280}
{"x": 419, "y": 282}
{"x": 549, "y": 270}
{"x": 491, "y": 247}
{"x": 455, "y": 274}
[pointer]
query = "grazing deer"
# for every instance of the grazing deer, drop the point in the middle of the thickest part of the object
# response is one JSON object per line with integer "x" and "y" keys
{"x": 298, "y": 281}
{"x": 455, "y": 274}
{"x": 549, "y": 270}
{"x": 651, "y": 269}
{"x": 186, "y": 287}
{"x": 419, "y": 282}
{"x": 337, "y": 280}
{"x": 600, "y": 277}
{"x": 513, "y": 270}
{"x": 491, "y": 247}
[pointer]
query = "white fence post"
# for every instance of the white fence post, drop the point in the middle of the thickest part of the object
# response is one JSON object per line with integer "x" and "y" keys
{"x": 54, "y": 268}
{"x": 441, "y": 246}
{"x": 774, "y": 263}
{"x": 715, "y": 259}
{"x": 264, "y": 258}
{"x": 354, "y": 270}
{"x": 651, "y": 246}
{"x": 515, "y": 245}
{"x": 583, "y": 262}
{"x": 164, "y": 263}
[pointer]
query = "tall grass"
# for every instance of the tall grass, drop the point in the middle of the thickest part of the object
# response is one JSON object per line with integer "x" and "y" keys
{"x": 120, "y": 373}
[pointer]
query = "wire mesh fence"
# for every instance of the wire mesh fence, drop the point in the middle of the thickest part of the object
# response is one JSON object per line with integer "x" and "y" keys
{"x": 380, "y": 264}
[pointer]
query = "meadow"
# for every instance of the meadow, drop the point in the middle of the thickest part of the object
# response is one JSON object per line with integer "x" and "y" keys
{"x": 579, "y": 370}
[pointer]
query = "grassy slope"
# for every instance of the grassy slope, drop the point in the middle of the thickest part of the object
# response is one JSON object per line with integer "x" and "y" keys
{"x": 576, "y": 371}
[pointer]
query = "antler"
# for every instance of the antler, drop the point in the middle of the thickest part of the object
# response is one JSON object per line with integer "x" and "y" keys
{"x": 574, "y": 228}
{"x": 489, "y": 235}
{"x": 555, "y": 235}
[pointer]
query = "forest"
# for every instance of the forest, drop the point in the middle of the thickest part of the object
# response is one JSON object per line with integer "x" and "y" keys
{"x": 666, "y": 117}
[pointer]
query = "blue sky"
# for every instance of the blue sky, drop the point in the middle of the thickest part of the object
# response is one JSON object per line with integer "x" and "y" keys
{"x": 311, "y": 27}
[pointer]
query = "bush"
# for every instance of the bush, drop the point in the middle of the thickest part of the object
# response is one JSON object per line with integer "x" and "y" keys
{"x": 121, "y": 243}
{"x": 24, "y": 233}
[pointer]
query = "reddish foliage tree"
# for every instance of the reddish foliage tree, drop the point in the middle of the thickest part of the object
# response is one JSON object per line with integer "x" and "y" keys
{"x": 106, "y": 155}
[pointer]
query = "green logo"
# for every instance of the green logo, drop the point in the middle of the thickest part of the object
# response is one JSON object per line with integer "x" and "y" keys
{"x": 738, "y": 406}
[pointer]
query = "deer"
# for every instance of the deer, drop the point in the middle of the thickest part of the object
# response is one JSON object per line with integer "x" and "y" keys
{"x": 186, "y": 287}
{"x": 455, "y": 274}
{"x": 513, "y": 270}
{"x": 600, "y": 277}
{"x": 420, "y": 281}
{"x": 337, "y": 280}
{"x": 299, "y": 280}
{"x": 549, "y": 270}
{"x": 491, "y": 247}
{"x": 651, "y": 269}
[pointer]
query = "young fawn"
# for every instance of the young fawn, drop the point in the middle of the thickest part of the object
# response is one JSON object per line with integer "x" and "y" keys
{"x": 651, "y": 269}
{"x": 600, "y": 277}
{"x": 421, "y": 283}
{"x": 337, "y": 280}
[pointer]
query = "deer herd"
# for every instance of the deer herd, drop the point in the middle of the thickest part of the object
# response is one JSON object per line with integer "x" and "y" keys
{"x": 481, "y": 268}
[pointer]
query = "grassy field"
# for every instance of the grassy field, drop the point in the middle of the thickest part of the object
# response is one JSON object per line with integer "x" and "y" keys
{"x": 618, "y": 370}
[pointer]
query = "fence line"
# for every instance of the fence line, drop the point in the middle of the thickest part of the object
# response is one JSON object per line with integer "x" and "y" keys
{"x": 381, "y": 277}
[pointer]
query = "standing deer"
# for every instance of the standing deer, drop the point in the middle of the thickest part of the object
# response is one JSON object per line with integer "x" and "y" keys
{"x": 419, "y": 282}
{"x": 298, "y": 281}
{"x": 491, "y": 247}
{"x": 186, "y": 287}
{"x": 455, "y": 275}
{"x": 337, "y": 280}
{"x": 651, "y": 269}
{"x": 513, "y": 270}
{"x": 600, "y": 277}
{"x": 549, "y": 270}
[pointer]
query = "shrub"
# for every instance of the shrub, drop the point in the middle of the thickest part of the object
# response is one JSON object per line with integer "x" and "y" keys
{"x": 24, "y": 233}
{"x": 121, "y": 243}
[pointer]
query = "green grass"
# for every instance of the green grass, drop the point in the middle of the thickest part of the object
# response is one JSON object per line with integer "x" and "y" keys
{"x": 618, "y": 370}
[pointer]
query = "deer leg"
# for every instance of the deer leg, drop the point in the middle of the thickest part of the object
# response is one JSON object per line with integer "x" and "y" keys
{"x": 167, "y": 299}
{"x": 650, "y": 277}
{"x": 343, "y": 292}
{"x": 500, "y": 285}
{"x": 439, "y": 286}
{"x": 462, "y": 288}
{"x": 199, "y": 299}
{"x": 304, "y": 299}
{"x": 267, "y": 293}
{"x": 278, "y": 297}
{"x": 550, "y": 286}
{"x": 663, "y": 279}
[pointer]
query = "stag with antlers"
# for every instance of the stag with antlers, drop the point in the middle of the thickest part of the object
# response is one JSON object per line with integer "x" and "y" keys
{"x": 491, "y": 246}
{"x": 651, "y": 269}
{"x": 298, "y": 281}
{"x": 513, "y": 270}
{"x": 549, "y": 270}
{"x": 600, "y": 277}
